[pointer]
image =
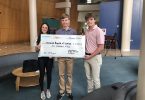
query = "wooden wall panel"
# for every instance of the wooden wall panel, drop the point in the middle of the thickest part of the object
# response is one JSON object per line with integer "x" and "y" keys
{"x": 4, "y": 35}
{"x": 74, "y": 14}
{"x": 14, "y": 18}
{"x": 5, "y": 18}
{"x": 46, "y": 9}
{"x": 0, "y": 19}
{"x": 14, "y": 15}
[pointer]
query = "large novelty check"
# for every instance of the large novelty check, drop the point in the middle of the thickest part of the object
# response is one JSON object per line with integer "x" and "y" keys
{"x": 62, "y": 46}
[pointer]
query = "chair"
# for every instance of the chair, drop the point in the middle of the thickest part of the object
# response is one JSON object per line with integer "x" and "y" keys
{"x": 116, "y": 91}
{"x": 111, "y": 42}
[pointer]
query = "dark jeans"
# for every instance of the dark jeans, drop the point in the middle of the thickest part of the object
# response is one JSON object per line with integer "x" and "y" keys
{"x": 45, "y": 64}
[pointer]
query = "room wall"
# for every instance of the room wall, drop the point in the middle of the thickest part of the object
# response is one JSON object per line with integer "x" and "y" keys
{"x": 14, "y": 21}
{"x": 136, "y": 24}
{"x": 14, "y": 18}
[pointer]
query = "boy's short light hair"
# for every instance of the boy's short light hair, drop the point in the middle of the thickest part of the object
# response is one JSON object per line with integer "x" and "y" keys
{"x": 90, "y": 15}
{"x": 64, "y": 15}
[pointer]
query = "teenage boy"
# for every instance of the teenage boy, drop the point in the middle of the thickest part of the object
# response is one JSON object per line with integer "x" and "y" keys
{"x": 65, "y": 62}
{"x": 93, "y": 47}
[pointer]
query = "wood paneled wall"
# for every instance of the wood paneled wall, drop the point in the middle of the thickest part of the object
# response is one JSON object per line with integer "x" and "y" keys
{"x": 14, "y": 21}
{"x": 74, "y": 14}
{"x": 14, "y": 18}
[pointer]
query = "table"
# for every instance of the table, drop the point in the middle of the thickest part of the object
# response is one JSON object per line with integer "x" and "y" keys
{"x": 25, "y": 79}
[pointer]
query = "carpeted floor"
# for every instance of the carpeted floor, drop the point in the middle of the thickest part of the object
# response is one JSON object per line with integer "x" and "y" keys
{"x": 122, "y": 69}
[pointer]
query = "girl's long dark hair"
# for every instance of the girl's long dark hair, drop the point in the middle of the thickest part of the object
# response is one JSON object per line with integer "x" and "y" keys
{"x": 39, "y": 35}
{"x": 48, "y": 32}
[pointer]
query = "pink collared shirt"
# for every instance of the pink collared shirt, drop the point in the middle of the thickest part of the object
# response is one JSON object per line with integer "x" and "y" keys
{"x": 94, "y": 37}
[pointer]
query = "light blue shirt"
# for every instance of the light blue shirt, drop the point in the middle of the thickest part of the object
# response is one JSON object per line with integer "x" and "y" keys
{"x": 69, "y": 31}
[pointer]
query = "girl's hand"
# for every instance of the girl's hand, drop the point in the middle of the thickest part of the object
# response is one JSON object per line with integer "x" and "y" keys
{"x": 37, "y": 48}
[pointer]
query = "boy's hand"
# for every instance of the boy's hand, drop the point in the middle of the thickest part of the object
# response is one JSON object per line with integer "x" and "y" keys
{"x": 87, "y": 57}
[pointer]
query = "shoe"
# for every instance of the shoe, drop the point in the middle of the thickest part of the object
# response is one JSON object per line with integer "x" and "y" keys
{"x": 70, "y": 96}
{"x": 60, "y": 95}
{"x": 48, "y": 95}
{"x": 89, "y": 91}
{"x": 43, "y": 95}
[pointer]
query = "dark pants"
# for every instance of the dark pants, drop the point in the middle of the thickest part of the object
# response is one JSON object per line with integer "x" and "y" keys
{"x": 45, "y": 63}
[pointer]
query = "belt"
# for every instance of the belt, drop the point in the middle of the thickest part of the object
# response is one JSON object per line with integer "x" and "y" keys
{"x": 87, "y": 53}
{"x": 90, "y": 53}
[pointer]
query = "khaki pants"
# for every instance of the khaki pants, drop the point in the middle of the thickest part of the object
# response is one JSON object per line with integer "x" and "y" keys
{"x": 92, "y": 69}
{"x": 65, "y": 63}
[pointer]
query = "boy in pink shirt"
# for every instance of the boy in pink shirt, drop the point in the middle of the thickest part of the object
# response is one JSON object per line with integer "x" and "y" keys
{"x": 93, "y": 58}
